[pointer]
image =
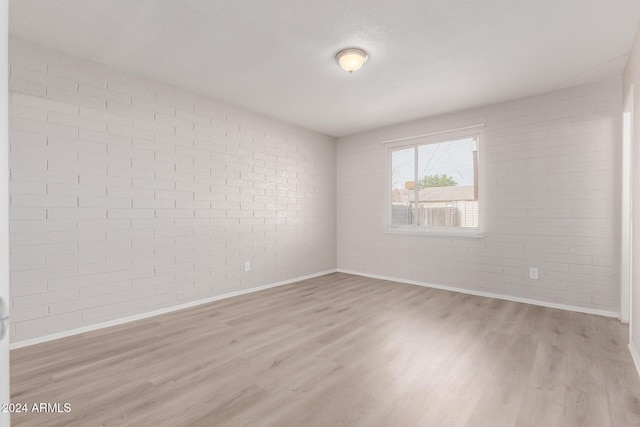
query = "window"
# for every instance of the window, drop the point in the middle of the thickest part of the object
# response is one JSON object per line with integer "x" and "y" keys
{"x": 434, "y": 183}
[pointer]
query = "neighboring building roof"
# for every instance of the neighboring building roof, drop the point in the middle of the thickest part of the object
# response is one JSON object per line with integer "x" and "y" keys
{"x": 436, "y": 194}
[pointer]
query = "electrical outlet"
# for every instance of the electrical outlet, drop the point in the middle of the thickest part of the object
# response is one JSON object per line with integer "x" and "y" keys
{"x": 247, "y": 266}
{"x": 533, "y": 273}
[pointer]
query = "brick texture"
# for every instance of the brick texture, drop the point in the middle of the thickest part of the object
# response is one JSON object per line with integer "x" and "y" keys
{"x": 549, "y": 177}
{"x": 128, "y": 195}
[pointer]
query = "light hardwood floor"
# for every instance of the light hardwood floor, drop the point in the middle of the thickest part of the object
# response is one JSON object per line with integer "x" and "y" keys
{"x": 339, "y": 350}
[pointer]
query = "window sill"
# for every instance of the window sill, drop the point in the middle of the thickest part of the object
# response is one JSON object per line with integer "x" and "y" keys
{"x": 470, "y": 234}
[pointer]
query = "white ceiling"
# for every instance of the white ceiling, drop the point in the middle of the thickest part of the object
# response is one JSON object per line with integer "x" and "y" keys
{"x": 276, "y": 57}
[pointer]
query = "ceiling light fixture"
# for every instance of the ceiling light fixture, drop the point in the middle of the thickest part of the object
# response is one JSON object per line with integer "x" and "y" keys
{"x": 351, "y": 59}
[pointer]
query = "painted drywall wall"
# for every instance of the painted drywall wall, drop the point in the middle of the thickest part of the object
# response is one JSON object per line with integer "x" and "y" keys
{"x": 5, "y": 372}
{"x": 129, "y": 196}
{"x": 632, "y": 77}
{"x": 549, "y": 197}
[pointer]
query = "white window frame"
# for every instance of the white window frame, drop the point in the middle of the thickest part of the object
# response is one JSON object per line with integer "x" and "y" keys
{"x": 475, "y": 131}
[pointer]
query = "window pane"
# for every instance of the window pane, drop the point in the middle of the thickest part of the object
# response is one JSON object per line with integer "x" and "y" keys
{"x": 448, "y": 184}
{"x": 402, "y": 187}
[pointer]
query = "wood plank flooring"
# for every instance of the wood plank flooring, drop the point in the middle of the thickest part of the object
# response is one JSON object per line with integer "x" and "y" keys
{"x": 339, "y": 350}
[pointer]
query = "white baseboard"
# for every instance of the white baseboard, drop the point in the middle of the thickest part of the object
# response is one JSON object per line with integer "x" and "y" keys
{"x": 634, "y": 355}
{"x": 89, "y": 328}
{"x": 488, "y": 294}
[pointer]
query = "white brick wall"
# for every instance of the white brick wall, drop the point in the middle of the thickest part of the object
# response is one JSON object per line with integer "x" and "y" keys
{"x": 549, "y": 199}
{"x": 128, "y": 195}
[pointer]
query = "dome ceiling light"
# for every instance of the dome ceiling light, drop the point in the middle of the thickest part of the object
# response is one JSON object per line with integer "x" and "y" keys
{"x": 351, "y": 59}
